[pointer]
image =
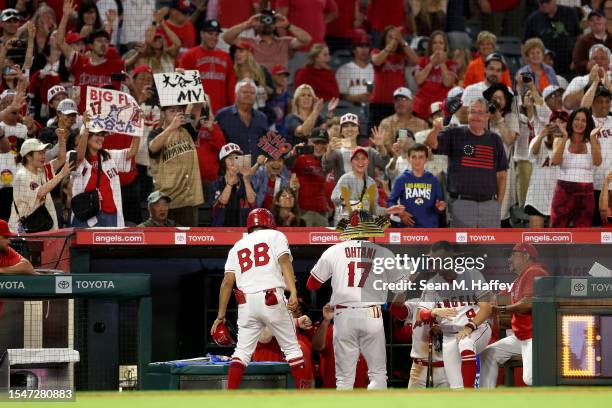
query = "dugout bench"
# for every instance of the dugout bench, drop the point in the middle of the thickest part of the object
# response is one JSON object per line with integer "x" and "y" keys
{"x": 202, "y": 374}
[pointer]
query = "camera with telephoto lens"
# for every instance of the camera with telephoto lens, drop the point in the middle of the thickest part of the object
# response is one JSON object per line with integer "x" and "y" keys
{"x": 18, "y": 44}
{"x": 268, "y": 17}
{"x": 492, "y": 107}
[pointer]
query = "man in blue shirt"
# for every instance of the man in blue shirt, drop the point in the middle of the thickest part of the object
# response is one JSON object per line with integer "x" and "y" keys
{"x": 418, "y": 191}
{"x": 241, "y": 123}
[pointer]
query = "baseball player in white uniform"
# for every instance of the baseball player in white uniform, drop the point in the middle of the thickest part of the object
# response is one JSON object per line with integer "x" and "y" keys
{"x": 463, "y": 315}
{"x": 420, "y": 347}
{"x": 260, "y": 265}
{"x": 357, "y": 294}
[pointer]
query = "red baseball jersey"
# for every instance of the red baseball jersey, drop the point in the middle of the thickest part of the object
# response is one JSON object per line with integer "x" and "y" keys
{"x": 99, "y": 75}
{"x": 216, "y": 71}
{"x": 9, "y": 258}
{"x": 523, "y": 287}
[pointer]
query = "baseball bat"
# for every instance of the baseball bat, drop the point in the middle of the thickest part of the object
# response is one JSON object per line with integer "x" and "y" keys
{"x": 429, "y": 380}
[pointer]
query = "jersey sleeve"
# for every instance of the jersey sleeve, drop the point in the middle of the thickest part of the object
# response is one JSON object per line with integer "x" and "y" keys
{"x": 280, "y": 245}
{"x": 343, "y": 79}
{"x": 323, "y": 269}
{"x": 230, "y": 263}
{"x": 13, "y": 258}
{"x": 444, "y": 142}
{"x": 394, "y": 274}
{"x": 122, "y": 163}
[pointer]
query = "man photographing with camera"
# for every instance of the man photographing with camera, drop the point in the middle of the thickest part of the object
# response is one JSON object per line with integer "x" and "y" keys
{"x": 495, "y": 66}
{"x": 269, "y": 48}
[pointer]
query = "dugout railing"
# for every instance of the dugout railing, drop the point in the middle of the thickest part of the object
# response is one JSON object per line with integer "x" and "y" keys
{"x": 186, "y": 267}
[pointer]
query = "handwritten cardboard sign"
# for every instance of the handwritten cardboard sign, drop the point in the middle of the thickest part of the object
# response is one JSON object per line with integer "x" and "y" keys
{"x": 274, "y": 145}
{"x": 176, "y": 88}
{"x": 114, "y": 112}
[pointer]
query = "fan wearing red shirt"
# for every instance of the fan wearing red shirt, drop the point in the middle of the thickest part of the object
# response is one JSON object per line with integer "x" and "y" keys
{"x": 523, "y": 262}
{"x": 11, "y": 262}
{"x": 322, "y": 341}
{"x": 97, "y": 69}
{"x": 178, "y": 21}
{"x": 215, "y": 66}
{"x": 232, "y": 12}
{"x": 390, "y": 62}
{"x": 209, "y": 143}
{"x": 311, "y": 15}
{"x": 312, "y": 199}
{"x": 339, "y": 32}
{"x": 318, "y": 74}
{"x": 383, "y": 13}
{"x": 435, "y": 75}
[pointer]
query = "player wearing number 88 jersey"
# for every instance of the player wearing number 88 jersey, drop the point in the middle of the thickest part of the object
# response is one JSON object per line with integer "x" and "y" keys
{"x": 260, "y": 265}
{"x": 456, "y": 302}
{"x": 358, "y": 290}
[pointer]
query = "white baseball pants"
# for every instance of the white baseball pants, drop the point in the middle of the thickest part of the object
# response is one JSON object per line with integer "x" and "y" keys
{"x": 418, "y": 376}
{"x": 451, "y": 350}
{"x": 359, "y": 330}
{"x": 254, "y": 315}
{"x": 498, "y": 353}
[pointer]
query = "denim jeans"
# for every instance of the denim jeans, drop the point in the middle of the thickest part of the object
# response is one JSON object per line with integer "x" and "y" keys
{"x": 104, "y": 220}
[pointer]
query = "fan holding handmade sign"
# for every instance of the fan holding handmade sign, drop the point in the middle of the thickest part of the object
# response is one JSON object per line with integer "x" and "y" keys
{"x": 114, "y": 112}
{"x": 179, "y": 88}
{"x": 275, "y": 145}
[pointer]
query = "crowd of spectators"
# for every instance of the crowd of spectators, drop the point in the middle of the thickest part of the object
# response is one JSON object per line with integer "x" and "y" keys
{"x": 428, "y": 112}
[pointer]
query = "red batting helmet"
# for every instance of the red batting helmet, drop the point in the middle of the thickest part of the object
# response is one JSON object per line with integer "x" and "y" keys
{"x": 223, "y": 334}
{"x": 260, "y": 217}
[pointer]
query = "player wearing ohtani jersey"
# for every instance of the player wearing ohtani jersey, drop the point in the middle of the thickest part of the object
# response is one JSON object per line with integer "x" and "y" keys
{"x": 260, "y": 265}
{"x": 462, "y": 310}
{"x": 356, "y": 297}
{"x": 421, "y": 332}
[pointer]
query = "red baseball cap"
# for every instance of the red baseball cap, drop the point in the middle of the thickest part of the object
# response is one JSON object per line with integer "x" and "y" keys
{"x": 360, "y": 37}
{"x": 359, "y": 150}
{"x": 4, "y": 229}
{"x": 527, "y": 248}
{"x": 245, "y": 45}
{"x": 140, "y": 69}
{"x": 558, "y": 114}
{"x": 72, "y": 37}
{"x": 279, "y": 70}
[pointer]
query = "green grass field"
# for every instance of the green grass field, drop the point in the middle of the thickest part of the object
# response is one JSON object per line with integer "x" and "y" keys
{"x": 562, "y": 397}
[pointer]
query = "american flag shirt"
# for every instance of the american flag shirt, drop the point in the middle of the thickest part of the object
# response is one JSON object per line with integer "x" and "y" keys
{"x": 473, "y": 161}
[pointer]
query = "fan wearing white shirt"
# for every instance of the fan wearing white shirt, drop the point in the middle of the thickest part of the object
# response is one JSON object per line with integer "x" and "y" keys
{"x": 598, "y": 97}
{"x": 598, "y": 65}
{"x": 353, "y": 77}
